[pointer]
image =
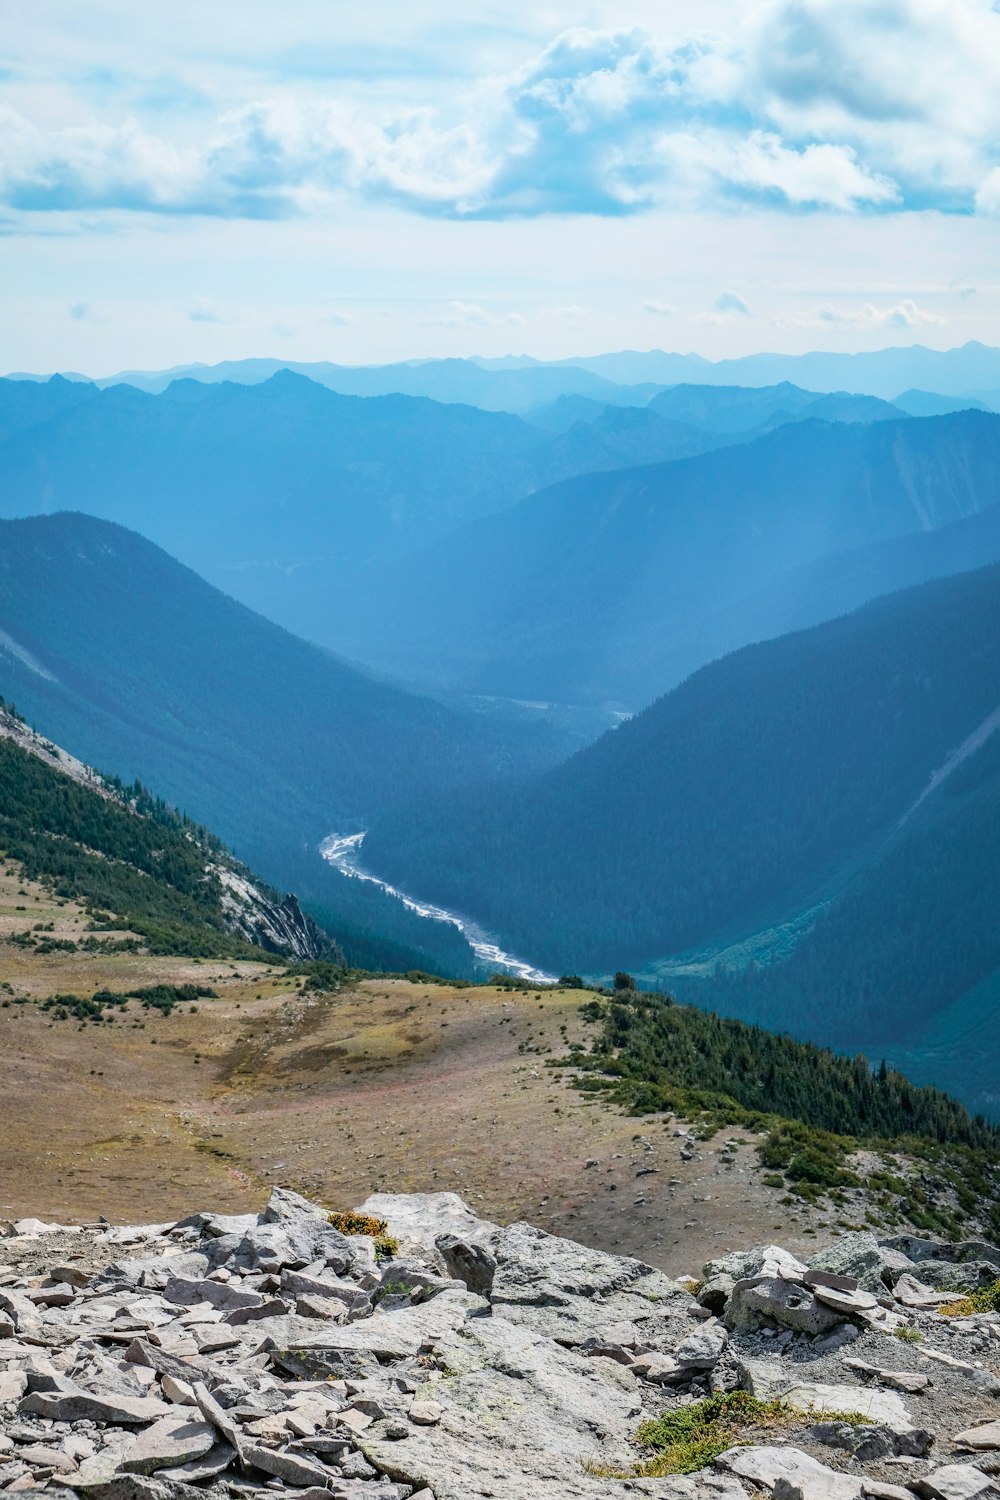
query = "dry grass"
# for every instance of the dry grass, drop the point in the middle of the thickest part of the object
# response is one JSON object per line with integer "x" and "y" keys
{"x": 389, "y": 1087}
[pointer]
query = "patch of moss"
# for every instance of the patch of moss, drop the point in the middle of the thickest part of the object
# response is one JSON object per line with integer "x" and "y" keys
{"x": 689, "y": 1437}
{"x": 908, "y": 1335}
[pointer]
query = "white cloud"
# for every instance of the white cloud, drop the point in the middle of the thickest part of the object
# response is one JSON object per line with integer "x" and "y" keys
{"x": 203, "y": 312}
{"x": 867, "y": 105}
{"x": 988, "y": 196}
{"x": 658, "y": 309}
{"x": 732, "y": 302}
{"x": 912, "y": 85}
{"x": 905, "y": 314}
{"x": 457, "y": 314}
{"x": 728, "y": 307}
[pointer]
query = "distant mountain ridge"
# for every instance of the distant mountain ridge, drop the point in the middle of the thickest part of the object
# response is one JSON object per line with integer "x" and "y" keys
{"x": 285, "y": 493}
{"x": 517, "y": 383}
{"x": 613, "y": 587}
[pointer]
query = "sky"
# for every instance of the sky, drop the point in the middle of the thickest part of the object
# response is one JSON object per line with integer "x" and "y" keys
{"x": 404, "y": 178}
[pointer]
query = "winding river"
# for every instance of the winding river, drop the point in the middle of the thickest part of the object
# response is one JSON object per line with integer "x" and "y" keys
{"x": 343, "y": 850}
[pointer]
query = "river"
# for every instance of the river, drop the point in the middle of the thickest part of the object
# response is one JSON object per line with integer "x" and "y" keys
{"x": 343, "y": 851}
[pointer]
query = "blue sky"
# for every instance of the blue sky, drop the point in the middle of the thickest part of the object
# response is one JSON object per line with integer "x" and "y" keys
{"x": 324, "y": 180}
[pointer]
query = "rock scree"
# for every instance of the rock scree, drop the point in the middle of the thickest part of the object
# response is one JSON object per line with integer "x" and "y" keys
{"x": 443, "y": 1357}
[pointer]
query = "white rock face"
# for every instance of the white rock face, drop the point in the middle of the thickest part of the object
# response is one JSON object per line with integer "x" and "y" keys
{"x": 419, "y": 1218}
{"x": 882, "y": 1408}
{"x": 984, "y": 1437}
{"x": 778, "y": 1469}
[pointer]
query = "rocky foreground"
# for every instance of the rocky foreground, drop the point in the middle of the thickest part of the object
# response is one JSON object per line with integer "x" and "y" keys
{"x": 449, "y": 1359}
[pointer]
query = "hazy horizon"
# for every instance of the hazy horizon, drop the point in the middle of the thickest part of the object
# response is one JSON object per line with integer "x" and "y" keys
{"x": 391, "y": 184}
{"x": 511, "y": 355}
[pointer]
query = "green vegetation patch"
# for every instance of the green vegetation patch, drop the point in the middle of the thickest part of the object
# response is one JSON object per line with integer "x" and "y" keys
{"x": 103, "y": 1003}
{"x": 354, "y": 1223}
{"x": 908, "y": 1335}
{"x": 986, "y": 1300}
{"x": 386, "y": 1244}
{"x": 813, "y": 1107}
{"x": 689, "y": 1437}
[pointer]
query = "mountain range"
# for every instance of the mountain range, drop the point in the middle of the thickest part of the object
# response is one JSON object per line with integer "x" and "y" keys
{"x": 517, "y": 384}
{"x": 798, "y": 832}
{"x": 612, "y": 587}
{"x": 318, "y": 509}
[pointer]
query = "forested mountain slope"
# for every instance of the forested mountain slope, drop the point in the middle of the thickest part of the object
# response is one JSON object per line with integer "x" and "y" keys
{"x": 783, "y": 779}
{"x": 833, "y": 585}
{"x": 136, "y": 864}
{"x": 139, "y": 667}
{"x": 616, "y": 586}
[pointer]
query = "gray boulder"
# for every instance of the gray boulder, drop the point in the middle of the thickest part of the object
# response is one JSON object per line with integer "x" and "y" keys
{"x": 419, "y": 1218}
{"x": 468, "y": 1260}
{"x": 270, "y": 1247}
{"x": 539, "y": 1269}
{"x": 773, "y": 1302}
{"x": 549, "y": 1412}
{"x": 956, "y": 1482}
{"x": 793, "y": 1470}
{"x": 955, "y": 1276}
{"x": 177, "y": 1439}
{"x": 286, "y": 1207}
{"x": 858, "y": 1256}
{"x": 703, "y": 1347}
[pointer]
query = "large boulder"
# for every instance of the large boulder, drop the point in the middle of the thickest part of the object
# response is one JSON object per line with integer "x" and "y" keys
{"x": 418, "y": 1219}
{"x": 570, "y": 1293}
{"x": 772, "y": 1302}
{"x": 858, "y": 1256}
{"x": 958, "y": 1276}
{"x": 549, "y": 1414}
{"x": 720, "y": 1276}
{"x": 785, "y": 1469}
{"x": 304, "y": 1347}
{"x": 286, "y": 1207}
{"x": 468, "y": 1260}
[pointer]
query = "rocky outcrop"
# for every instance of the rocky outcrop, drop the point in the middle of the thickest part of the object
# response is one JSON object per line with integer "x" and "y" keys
{"x": 276, "y": 926}
{"x": 454, "y": 1358}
